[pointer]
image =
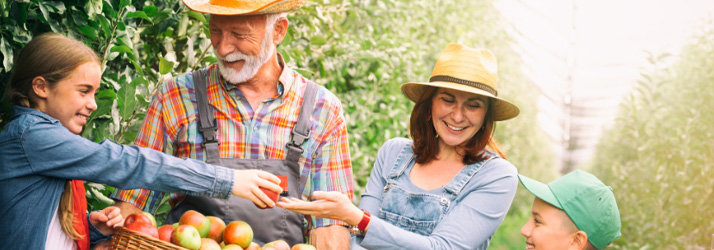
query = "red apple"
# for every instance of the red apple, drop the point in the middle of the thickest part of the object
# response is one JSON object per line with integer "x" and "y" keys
{"x": 217, "y": 227}
{"x": 239, "y": 233}
{"x": 197, "y": 220}
{"x": 165, "y": 232}
{"x": 209, "y": 244}
{"x": 143, "y": 227}
{"x": 273, "y": 195}
{"x": 253, "y": 246}
{"x": 303, "y": 246}
{"x": 277, "y": 245}
{"x": 186, "y": 236}
{"x": 151, "y": 218}
{"x": 141, "y": 217}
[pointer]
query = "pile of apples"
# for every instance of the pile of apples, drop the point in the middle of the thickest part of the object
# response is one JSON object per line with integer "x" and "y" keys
{"x": 198, "y": 232}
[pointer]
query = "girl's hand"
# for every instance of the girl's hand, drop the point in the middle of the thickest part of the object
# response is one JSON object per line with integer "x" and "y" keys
{"x": 330, "y": 205}
{"x": 107, "y": 220}
{"x": 247, "y": 183}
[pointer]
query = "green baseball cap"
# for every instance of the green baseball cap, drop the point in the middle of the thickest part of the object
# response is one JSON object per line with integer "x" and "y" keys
{"x": 589, "y": 203}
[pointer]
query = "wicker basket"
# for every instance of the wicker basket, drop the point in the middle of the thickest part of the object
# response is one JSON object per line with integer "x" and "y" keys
{"x": 125, "y": 239}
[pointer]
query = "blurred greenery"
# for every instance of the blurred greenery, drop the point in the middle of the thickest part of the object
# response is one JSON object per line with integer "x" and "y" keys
{"x": 362, "y": 50}
{"x": 659, "y": 155}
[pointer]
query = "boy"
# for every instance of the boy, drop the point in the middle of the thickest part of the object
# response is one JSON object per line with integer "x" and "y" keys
{"x": 576, "y": 211}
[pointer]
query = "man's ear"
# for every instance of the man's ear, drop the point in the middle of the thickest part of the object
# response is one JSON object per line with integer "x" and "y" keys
{"x": 40, "y": 87}
{"x": 580, "y": 241}
{"x": 280, "y": 29}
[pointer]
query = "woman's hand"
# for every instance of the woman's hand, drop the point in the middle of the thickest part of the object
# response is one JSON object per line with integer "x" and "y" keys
{"x": 107, "y": 220}
{"x": 247, "y": 183}
{"x": 330, "y": 205}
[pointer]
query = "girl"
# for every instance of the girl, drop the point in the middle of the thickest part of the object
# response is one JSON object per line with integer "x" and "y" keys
{"x": 443, "y": 189}
{"x": 42, "y": 202}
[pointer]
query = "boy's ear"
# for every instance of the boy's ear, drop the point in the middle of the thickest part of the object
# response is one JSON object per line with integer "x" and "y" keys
{"x": 580, "y": 241}
{"x": 40, "y": 87}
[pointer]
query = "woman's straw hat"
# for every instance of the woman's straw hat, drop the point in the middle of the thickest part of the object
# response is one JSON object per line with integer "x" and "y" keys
{"x": 243, "y": 7}
{"x": 465, "y": 69}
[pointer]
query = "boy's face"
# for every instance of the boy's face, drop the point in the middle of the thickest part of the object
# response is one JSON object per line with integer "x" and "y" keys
{"x": 548, "y": 228}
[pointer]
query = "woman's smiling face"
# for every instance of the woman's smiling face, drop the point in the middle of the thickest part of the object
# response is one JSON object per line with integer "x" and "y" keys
{"x": 457, "y": 115}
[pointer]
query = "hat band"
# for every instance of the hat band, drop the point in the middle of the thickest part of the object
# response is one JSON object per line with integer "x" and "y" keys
{"x": 482, "y": 86}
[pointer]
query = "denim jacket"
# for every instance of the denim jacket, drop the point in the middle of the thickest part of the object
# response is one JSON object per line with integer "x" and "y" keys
{"x": 38, "y": 155}
{"x": 463, "y": 214}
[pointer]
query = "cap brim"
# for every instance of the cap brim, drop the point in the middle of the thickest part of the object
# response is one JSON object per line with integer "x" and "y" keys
{"x": 540, "y": 190}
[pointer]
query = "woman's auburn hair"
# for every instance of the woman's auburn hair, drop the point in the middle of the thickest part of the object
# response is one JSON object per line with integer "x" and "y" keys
{"x": 426, "y": 144}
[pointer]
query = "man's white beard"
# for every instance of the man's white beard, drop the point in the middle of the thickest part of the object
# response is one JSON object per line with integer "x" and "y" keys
{"x": 251, "y": 64}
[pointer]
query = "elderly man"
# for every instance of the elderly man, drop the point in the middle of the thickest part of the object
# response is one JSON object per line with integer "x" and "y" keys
{"x": 251, "y": 111}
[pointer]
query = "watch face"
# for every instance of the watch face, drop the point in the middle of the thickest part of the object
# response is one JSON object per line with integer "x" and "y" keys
{"x": 355, "y": 230}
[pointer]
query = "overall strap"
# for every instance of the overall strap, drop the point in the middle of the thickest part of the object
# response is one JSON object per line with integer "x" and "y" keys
{"x": 207, "y": 123}
{"x": 405, "y": 156}
{"x": 301, "y": 131}
{"x": 464, "y": 176}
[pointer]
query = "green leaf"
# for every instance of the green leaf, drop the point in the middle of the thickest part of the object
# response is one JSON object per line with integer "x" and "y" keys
{"x": 198, "y": 16}
{"x": 121, "y": 48}
{"x": 93, "y": 8}
{"x": 139, "y": 14}
{"x": 89, "y": 31}
{"x": 45, "y": 12}
{"x": 7, "y": 56}
{"x": 78, "y": 17}
{"x": 165, "y": 66}
{"x": 126, "y": 101}
{"x": 57, "y": 6}
{"x": 150, "y": 10}
{"x": 318, "y": 40}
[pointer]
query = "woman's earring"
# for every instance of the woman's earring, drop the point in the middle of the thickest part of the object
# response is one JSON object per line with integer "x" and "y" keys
{"x": 428, "y": 117}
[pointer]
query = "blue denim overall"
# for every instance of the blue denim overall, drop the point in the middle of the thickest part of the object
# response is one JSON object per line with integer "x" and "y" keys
{"x": 267, "y": 224}
{"x": 411, "y": 208}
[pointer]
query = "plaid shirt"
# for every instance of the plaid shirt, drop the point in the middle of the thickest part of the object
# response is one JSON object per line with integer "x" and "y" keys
{"x": 171, "y": 126}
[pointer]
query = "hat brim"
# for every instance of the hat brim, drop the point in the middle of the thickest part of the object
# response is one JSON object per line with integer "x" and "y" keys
{"x": 501, "y": 108}
{"x": 245, "y": 7}
{"x": 540, "y": 190}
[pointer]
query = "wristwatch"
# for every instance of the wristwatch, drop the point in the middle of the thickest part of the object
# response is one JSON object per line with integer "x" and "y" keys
{"x": 362, "y": 226}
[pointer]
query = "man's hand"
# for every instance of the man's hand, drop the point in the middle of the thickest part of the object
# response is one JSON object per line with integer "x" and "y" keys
{"x": 247, "y": 183}
{"x": 330, "y": 205}
{"x": 107, "y": 219}
{"x": 126, "y": 208}
{"x": 330, "y": 237}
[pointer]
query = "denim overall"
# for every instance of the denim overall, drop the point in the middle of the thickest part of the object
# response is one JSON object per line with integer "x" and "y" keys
{"x": 409, "y": 207}
{"x": 267, "y": 224}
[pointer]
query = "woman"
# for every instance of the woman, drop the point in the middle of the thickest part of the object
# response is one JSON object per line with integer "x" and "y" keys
{"x": 443, "y": 189}
{"x": 52, "y": 87}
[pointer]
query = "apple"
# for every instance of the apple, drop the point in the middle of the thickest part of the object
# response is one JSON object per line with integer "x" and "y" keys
{"x": 197, "y": 220}
{"x": 216, "y": 230}
{"x": 140, "y": 217}
{"x": 165, "y": 232}
{"x": 232, "y": 247}
{"x": 273, "y": 195}
{"x": 277, "y": 245}
{"x": 143, "y": 227}
{"x": 239, "y": 233}
{"x": 175, "y": 225}
{"x": 303, "y": 246}
{"x": 186, "y": 236}
{"x": 151, "y": 217}
{"x": 253, "y": 246}
{"x": 209, "y": 244}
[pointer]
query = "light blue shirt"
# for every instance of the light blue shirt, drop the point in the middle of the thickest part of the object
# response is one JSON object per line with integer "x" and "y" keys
{"x": 39, "y": 155}
{"x": 464, "y": 214}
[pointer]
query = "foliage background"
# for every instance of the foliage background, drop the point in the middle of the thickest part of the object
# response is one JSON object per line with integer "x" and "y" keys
{"x": 362, "y": 50}
{"x": 659, "y": 156}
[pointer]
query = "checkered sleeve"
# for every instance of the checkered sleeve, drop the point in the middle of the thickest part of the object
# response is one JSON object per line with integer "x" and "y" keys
{"x": 331, "y": 168}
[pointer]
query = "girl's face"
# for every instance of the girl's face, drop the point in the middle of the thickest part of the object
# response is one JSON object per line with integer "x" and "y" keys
{"x": 457, "y": 115}
{"x": 71, "y": 100}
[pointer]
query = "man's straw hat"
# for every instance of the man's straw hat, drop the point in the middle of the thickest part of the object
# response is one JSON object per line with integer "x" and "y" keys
{"x": 243, "y": 7}
{"x": 465, "y": 69}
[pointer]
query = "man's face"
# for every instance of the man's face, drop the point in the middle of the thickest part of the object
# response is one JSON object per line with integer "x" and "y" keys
{"x": 548, "y": 228}
{"x": 242, "y": 45}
